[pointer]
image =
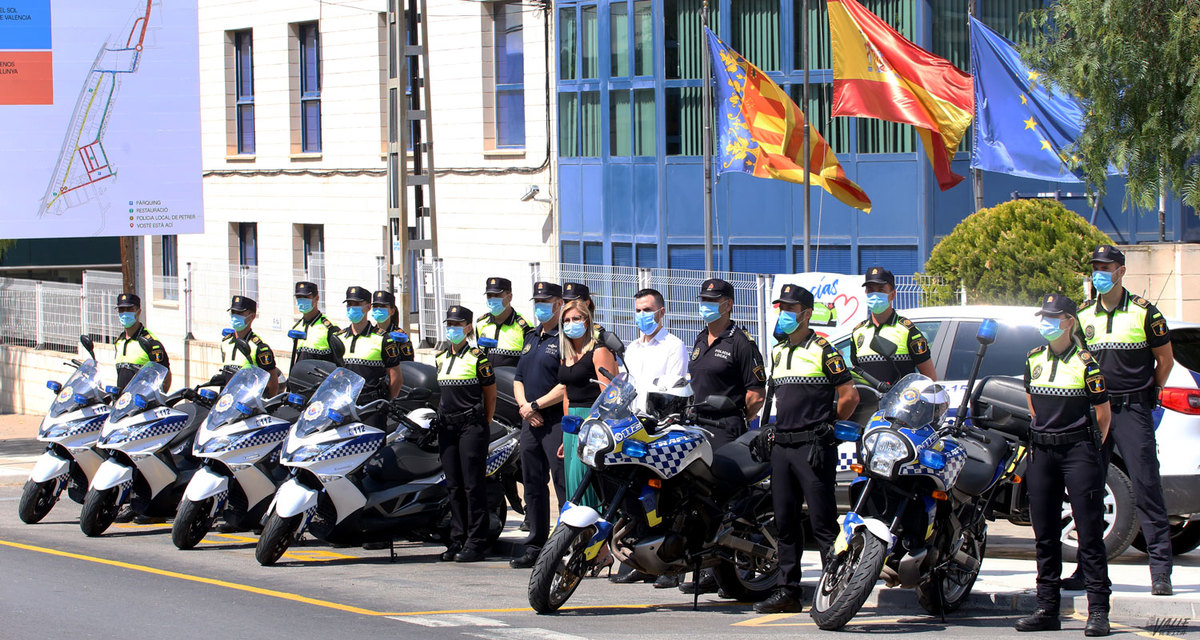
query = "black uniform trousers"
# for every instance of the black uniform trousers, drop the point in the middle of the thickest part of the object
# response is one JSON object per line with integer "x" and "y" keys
{"x": 464, "y": 460}
{"x": 1077, "y": 470}
{"x": 731, "y": 427}
{"x": 1132, "y": 431}
{"x": 539, "y": 464}
{"x": 793, "y": 482}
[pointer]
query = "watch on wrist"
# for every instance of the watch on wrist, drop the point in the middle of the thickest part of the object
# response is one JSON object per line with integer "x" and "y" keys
{"x": 534, "y": 405}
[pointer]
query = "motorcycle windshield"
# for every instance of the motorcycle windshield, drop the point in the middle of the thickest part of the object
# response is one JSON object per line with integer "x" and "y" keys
{"x": 614, "y": 402}
{"x": 147, "y": 385}
{"x": 242, "y": 397}
{"x": 914, "y": 401}
{"x": 80, "y": 389}
{"x": 332, "y": 403}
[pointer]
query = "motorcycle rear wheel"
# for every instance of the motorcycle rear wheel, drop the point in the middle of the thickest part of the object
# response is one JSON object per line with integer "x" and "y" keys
{"x": 99, "y": 511}
{"x": 847, "y": 581}
{"x": 749, "y": 578}
{"x": 37, "y": 499}
{"x": 276, "y": 537}
{"x": 560, "y": 568}
{"x": 192, "y": 523}
{"x": 956, "y": 584}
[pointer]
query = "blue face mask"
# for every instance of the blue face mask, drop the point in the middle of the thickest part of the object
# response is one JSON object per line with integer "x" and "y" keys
{"x": 543, "y": 311}
{"x": 455, "y": 334}
{"x": 646, "y": 322}
{"x": 237, "y": 322}
{"x": 1050, "y": 328}
{"x": 304, "y": 305}
{"x": 1102, "y": 281}
{"x": 878, "y": 302}
{"x": 380, "y": 315}
{"x": 495, "y": 305}
{"x": 128, "y": 318}
{"x": 355, "y": 314}
{"x": 787, "y": 323}
{"x": 575, "y": 329}
{"x": 710, "y": 312}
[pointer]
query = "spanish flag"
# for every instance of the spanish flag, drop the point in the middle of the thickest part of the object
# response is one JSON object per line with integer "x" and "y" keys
{"x": 877, "y": 73}
{"x": 761, "y": 131}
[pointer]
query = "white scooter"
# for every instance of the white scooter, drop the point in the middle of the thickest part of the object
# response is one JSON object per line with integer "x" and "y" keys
{"x": 70, "y": 430}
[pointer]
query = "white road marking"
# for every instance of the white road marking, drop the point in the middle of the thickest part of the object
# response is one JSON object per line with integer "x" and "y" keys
{"x": 522, "y": 634}
{"x": 451, "y": 620}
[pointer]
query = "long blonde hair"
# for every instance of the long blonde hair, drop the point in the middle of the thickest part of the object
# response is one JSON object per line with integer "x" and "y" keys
{"x": 565, "y": 347}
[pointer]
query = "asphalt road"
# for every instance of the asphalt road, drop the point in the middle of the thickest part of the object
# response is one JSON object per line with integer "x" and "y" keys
{"x": 133, "y": 583}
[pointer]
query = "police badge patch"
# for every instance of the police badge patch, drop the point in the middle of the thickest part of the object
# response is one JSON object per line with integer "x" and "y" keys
{"x": 485, "y": 370}
{"x": 858, "y": 340}
{"x": 760, "y": 374}
{"x": 1037, "y": 371}
{"x": 1159, "y": 327}
{"x": 695, "y": 352}
{"x": 920, "y": 347}
{"x": 1089, "y": 332}
{"x": 526, "y": 348}
{"x": 835, "y": 365}
{"x": 1095, "y": 383}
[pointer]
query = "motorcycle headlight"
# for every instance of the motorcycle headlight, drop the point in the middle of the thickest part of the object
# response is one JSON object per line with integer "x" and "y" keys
{"x": 214, "y": 445}
{"x": 885, "y": 449}
{"x": 595, "y": 440}
{"x": 307, "y": 452}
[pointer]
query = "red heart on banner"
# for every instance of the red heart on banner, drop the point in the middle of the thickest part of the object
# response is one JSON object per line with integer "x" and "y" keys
{"x": 844, "y": 302}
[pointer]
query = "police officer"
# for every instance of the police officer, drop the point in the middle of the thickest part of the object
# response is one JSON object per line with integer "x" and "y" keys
{"x": 1132, "y": 343}
{"x": 316, "y": 327}
{"x": 912, "y": 350}
{"x": 468, "y": 399}
{"x": 813, "y": 388}
{"x": 579, "y": 291}
{"x": 386, "y": 317}
{"x": 1063, "y": 384}
{"x": 541, "y": 418}
{"x": 371, "y": 355}
{"x": 135, "y": 345}
{"x": 242, "y": 312}
{"x": 724, "y": 361}
{"x": 503, "y": 324}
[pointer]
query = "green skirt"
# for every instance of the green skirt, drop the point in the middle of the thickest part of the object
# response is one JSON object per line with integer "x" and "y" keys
{"x": 573, "y": 467}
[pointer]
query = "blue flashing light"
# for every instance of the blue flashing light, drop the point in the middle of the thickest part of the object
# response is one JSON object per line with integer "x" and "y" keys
{"x": 139, "y": 401}
{"x": 847, "y": 431}
{"x": 933, "y": 459}
{"x": 987, "y": 331}
{"x": 79, "y": 399}
{"x": 571, "y": 424}
{"x": 226, "y": 332}
{"x": 333, "y": 415}
{"x": 111, "y": 390}
{"x": 296, "y": 334}
{"x": 634, "y": 448}
{"x": 53, "y": 386}
{"x": 208, "y": 394}
{"x": 295, "y": 398}
{"x": 243, "y": 409}
{"x": 399, "y": 337}
{"x": 487, "y": 343}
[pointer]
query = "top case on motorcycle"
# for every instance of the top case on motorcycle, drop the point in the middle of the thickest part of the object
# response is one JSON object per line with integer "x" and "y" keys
{"x": 999, "y": 403}
{"x": 419, "y": 375}
{"x": 506, "y": 401}
{"x": 733, "y": 462}
{"x": 307, "y": 375}
{"x": 401, "y": 461}
{"x": 982, "y": 458}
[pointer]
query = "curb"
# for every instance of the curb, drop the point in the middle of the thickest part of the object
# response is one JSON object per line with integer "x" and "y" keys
{"x": 1122, "y": 604}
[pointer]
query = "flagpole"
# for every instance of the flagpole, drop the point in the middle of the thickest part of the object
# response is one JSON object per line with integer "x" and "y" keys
{"x": 708, "y": 116}
{"x": 807, "y": 151}
{"x": 976, "y": 174}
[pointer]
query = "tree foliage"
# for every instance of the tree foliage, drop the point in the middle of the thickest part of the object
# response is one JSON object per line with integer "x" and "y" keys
{"x": 5, "y": 245}
{"x": 1014, "y": 253}
{"x": 1135, "y": 64}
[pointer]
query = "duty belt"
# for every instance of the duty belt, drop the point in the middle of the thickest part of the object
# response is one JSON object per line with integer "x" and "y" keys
{"x": 1122, "y": 400}
{"x": 1060, "y": 439}
{"x": 462, "y": 418}
{"x": 801, "y": 438}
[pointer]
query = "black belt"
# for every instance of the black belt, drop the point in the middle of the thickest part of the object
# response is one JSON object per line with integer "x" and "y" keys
{"x": 800, "y": 438}
{"x": 471, "y": 416}
{"x": 1120, "y": 400}
{"x": 1060, "y": 439}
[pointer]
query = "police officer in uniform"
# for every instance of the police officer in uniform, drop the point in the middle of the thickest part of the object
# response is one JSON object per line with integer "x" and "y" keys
{"x": 579, "y": 291}
{"x": 503, "y": 324}
{"x": 386, "y": 317}
{"x": 371, "y": 355}
{"x": 912, "y": 350}
{"x": 724, "y": 361}
{"x": 1064, "y": 384}
{"x": 135, "y": 345}
{"x": 242, "y": 312}
{"x": 468, "y": 399}
{"x": 316, "y": 327}
{"x": 813, "y": 389}
{"x": 1130, "y": 339}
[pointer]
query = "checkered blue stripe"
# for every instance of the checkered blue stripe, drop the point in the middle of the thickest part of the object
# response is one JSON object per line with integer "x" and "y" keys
{"x": 667, "y": 458}
{"x": 956, "y": 459}
{"x": 1054, "y": 391}
{"x": 86, "y": 426}
{"x": 497, "y": 458}
{"x": 1116, "y": 346}
{"x": 362, "y": 444}
{"x": 268, "y": 435}
{"x": 899, "y": 357}
{"x": 845, "y": 459}
{"x": 167, "y": 425}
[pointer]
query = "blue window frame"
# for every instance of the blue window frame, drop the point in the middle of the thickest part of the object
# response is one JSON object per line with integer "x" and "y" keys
{"x": 510, "y": 75}
{"x": 593, "y": 253}
{"x": 900, "y": 260}
{"x": 310, "y": 88}
{"x": 758, "y": 259}
{"x": 243, "y": 55}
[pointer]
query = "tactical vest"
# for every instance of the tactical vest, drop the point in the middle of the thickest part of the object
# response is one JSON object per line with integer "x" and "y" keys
{"x": 233, "y": 358}
{"x": 458, "y": 369}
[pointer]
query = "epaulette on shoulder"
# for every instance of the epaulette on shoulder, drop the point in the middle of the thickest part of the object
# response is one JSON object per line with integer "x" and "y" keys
{"x": 1036, "y": 350}
{"x": 477, "y": 352}
{"x": 484, "y": 319}
{"x": 821, "y": 341}
{"x": 255, "y": 339}
{"x": 746, "y": 332}
{"x": 863, "y": 323}
{"x": 521, "y": 322}
{"x": 906, "y": 322}
{"x": 1086, "y": 304}
{"x": 329, "y": 325}
{"x": 1139, "y": 301}
{"x": 1085, "y": 356}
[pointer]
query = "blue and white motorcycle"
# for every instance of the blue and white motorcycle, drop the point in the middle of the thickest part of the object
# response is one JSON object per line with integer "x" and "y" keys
{"x": 920, "y": 502}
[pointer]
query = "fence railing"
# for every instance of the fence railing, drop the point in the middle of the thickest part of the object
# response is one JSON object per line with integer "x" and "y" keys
{"x": 52, "y": 315}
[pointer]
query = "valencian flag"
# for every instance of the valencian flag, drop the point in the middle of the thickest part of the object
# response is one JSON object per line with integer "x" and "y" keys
{"x": 877, "y": 73}
{"x": 761, "y": 130}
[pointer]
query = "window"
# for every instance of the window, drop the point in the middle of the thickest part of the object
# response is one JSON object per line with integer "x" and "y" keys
{"x": 631, "y": 124}
{"x": 589, "y": 38}
{"x": 684, "y": 116}
{"x": 643, "y": 38}
{"x": 755, "y": 26}
{"x": 618, "y": 16}
{"x": 593, "y": 253}
{"x": 243, "y": 54}
{"x": 568, "y": 44}
{"x": 684, "y": 37}
{"x": 245, "y": 278}
{"x": 571, "y": 253}
{"x": 568, "y": 125}
{"x": 165, "y": 256}
{"x": 622, "y": 254}
{"x": 310, "y": 88}
{"x": 637, "y": 59}
{"x": 836, "y": 131}
{"x": 509, "y": 54}
{"x": 647, "y": 256}
{"x": 590, "y": 144}
{"x": 1009, "y": 361}
{"x": 900, "y": 260}
{"x": 826, "y": 258}
{"x": 579, "y": 124}
{"x": 313, "y": 254}
{"x": 758, "y": 259}
{"x": 818, "y": 36}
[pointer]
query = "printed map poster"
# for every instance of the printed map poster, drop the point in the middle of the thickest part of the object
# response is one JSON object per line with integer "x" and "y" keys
{"x": 100, "y": 118}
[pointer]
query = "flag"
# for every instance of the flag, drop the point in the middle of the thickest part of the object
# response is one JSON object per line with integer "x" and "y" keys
{"x": 1026, "y": 127}
{"x": 877, "y": 73}
{"x": 761, "y": 130}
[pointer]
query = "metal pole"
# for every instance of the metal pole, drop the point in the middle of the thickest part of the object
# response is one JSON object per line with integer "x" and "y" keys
{"x": 535, "y": 272}
{"x": 39, "y": 315}
{"x": 807, "y": 152}
{"x": 760, "y": 310}
{"x": 976, "y": 174}
{"x": 187, "y": 326}
{"x": 708, "y": 116}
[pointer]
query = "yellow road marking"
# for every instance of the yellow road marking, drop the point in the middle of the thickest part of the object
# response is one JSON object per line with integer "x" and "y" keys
{"x": 774, "y": 620}
{"x": 306, "y": 555}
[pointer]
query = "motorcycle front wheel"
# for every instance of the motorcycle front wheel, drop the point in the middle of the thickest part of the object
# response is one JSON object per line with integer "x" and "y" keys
{"x": 37, "y": 499}
{"x": 192, "y": 523}
{"x": 560, "y": 568}
{"x": 276, "y": 537}
{"x": 847, "y": 581}
{"x": 99, "y": 511}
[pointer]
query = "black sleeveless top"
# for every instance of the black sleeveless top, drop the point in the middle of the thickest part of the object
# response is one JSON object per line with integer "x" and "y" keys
{"x": 577, "y": 378}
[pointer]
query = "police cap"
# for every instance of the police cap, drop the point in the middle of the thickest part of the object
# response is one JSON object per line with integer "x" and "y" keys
{"x": 715, "y": 289}
{"x": 795, "y": 294}
{"x": 128, "y": 301}
{"x": 1056, "y": 304}
{"x": 498, "y": 285}
{"x": 306, "y": 289}
{"x": 576, "y": 291}
{"x": 383, "y": 299}
{"x": 459, "y": 313}
{"x": 546, "y": 291}
{"x": 243, "y": 304}
{"x": 1108, "y": 253}
{"x": 357, "y": 294}
{"x": 879, "y": 275}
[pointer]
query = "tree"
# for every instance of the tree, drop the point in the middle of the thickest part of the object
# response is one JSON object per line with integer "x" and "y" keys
{"x": 1136, "y": 67}
{"x": 5, "y": 245}
{"x": 1014, "y": 253}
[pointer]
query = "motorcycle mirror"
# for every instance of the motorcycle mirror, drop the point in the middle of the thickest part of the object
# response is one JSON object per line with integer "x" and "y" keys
{"x": 987, "y": 331}
{"x": 296, "y": 334}
{"x": 606, "y": 373}
{"x": 419, "y": 393}
{"x": 244, "y": 347}
{"x": 398, "y": 337}
{"x": 720, "y": 403}
{"x": 613, "y": 343}
{"x": 86, "y": 341}
{"x": 883, "y": 346}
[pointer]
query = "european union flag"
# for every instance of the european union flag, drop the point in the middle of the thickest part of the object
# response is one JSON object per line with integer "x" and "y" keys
{"x": 1023, "y": 127}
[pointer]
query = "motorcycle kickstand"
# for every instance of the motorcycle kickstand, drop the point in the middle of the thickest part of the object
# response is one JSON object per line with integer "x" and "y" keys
{"x": 696, "y": 585}
{"x": 392, "y": 550}
{"x": 941, "y": 595}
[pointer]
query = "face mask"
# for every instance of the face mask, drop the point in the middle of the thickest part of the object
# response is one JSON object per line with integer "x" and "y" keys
{"x": 787, "y": 322}
{"x": 304, "y": 305}
{"x": 495, "y": 305}
{"x": 379, "y": 315}
{"x": 878, "y": 302}
{"x": 128, "y": 318}
{"x": 455, "y": 334}
{"x": 646, "y": 322}
{"x": 355, "y": 314}
{"x": 237, "y": 322}
{"x": 1050, "y": 329}
{"x": 1102, "y": 281}
{"x": 543, "y": 311}
{"x": 575, "y": 329}
{"x": 710, "y": 312}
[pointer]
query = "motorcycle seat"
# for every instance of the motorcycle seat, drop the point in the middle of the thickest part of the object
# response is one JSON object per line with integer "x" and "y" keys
{"x": 195, "y": 415}
{"x": 402, "y": 461}
{"x": 733, "y": 462}
{"x": 982, "y": 459}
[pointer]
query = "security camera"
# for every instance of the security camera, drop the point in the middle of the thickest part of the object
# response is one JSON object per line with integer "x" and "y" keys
{"x": 532, "y": 191}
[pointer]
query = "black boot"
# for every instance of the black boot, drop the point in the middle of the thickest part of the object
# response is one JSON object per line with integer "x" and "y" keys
{"x": 708, "y": 584}
{"x": 527, "y": 559}
{"x": 450, "y": 552}
{"x": 782, "y": 601}
{"x": 1097, "y": 624}
{"x": 1074, "y": 582}
{"x": 1161, "y": 585}
{"x": 631, "y": 577}
{"x": 1041, "y": 620}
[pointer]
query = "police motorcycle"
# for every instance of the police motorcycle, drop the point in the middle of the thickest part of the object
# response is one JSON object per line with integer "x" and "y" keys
{"x": 920, "y": 502}
{"x": 70, "y": 430}
{"x": 148, "y": 443}
{"x": 669, "y": 503}
{"x": 353, "y": 483}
